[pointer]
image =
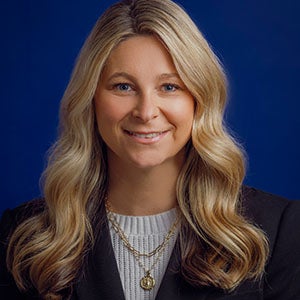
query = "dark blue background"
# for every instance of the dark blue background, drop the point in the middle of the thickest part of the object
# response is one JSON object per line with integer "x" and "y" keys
{"x": 257, "y": 40}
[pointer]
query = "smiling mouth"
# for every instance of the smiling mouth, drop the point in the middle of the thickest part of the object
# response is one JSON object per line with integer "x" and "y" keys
{"x": 149, "y": 135}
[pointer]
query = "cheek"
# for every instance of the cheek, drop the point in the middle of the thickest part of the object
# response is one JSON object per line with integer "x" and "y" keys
{"x": 108, "y": 113}
{"x": 182, "y": 114}
{"x": 106, "y": 119}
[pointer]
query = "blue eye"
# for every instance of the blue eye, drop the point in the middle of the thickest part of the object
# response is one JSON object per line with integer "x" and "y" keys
{"x": 169, "y": 87}
{"x": 123, "y": 87}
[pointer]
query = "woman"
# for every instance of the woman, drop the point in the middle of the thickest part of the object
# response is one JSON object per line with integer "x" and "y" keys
{"x": 143, "y": 195}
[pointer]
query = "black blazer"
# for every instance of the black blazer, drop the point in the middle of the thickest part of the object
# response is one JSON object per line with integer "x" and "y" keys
{"x": 279, "y": 218}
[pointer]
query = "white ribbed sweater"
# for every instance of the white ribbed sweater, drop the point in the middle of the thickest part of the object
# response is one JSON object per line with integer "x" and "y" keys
{"x": 145, "y": 234}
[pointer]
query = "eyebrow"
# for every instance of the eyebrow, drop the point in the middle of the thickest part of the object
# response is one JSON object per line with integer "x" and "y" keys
{"x": 126, "y": 75}
{"x": 169, "y": 75}
{"x": 120, "y": 74}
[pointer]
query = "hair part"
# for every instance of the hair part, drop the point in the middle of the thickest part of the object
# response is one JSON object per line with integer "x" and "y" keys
{"x": 218, "y": 246}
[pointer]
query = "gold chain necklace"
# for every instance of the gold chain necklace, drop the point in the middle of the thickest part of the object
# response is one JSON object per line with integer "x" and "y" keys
{"x": 147, "y": 282}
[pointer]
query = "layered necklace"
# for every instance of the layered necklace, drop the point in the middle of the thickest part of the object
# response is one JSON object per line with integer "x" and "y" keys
{"x": 147, "y": 282}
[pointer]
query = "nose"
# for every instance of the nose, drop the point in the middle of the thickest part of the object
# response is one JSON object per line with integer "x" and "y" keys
{"x": 146, "y": 107}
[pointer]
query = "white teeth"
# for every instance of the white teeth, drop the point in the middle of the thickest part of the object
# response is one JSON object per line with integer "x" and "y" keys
{"x": 145, "y": 135}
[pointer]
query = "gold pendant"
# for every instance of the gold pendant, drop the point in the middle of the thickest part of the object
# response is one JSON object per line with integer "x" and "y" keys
{"x": 147, "y": 282}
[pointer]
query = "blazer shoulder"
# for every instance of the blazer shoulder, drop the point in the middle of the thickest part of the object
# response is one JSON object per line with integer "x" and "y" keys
{"x": 11, "y": 218}
{"x": 269, "y": 212}
{"x": 258, "y": 205}
{"x": 279, "y": 218}
{"x": 9, "y": 221}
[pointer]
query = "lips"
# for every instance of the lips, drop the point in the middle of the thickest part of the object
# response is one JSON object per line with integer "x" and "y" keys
{"x": 145, "y": 135}
{"x": 149, "y": 135}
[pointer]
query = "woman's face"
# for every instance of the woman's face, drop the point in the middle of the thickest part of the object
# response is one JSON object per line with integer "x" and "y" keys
{"x": 144, "y": 111}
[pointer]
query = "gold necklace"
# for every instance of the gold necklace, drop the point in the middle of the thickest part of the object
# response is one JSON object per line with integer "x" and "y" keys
{"x": 147, "y": 282}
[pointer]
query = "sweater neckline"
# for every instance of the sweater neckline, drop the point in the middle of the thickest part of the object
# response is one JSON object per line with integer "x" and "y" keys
{"x": 147, "y": 225}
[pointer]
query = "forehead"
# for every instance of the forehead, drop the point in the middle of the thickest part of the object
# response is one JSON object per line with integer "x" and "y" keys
{"x": 140, "y": 53}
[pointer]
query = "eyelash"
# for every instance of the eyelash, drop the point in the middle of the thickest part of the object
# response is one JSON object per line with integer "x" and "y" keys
{"x": 175, "y": 87}
{"x": 118, "y": 86}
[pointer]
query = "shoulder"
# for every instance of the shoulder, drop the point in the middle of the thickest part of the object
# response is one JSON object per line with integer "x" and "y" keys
{"x": 279, "y": 218}
{"x": 257, "y": 203}
{"x": 272, "y": 213}
{"x": 11, "y": 218}
{"x": 269, "y": 211}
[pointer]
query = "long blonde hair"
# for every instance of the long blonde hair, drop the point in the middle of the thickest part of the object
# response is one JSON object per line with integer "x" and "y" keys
{"x": 218, "y": 247}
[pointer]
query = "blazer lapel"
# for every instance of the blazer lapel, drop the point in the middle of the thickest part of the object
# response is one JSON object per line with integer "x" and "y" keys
{"x": 101, "y": 279}
{"x": 174, "y": 287}
{"x": 171, "y": 281}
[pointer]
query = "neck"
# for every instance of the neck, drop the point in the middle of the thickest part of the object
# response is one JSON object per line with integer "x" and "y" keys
{"x": 140, "y": 192}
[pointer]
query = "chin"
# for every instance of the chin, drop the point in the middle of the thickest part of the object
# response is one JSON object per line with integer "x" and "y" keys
{"x": 146, "y": 165}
